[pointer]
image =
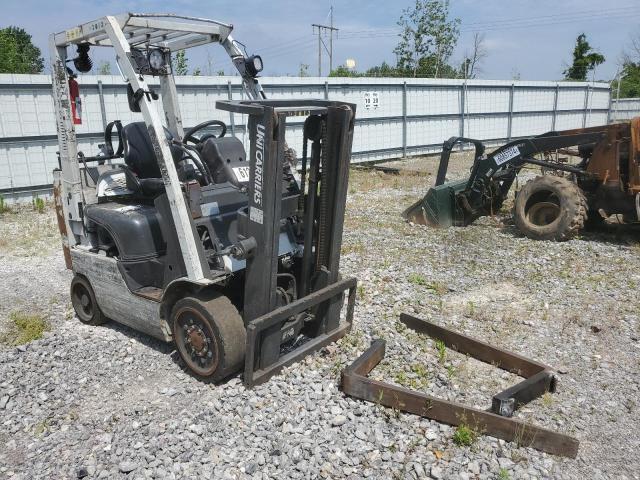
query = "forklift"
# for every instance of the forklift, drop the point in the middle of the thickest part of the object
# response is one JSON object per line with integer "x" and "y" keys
{"x": 181, "y": 234}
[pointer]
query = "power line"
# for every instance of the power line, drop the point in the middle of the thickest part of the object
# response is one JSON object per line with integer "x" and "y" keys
{"x": 325, "y": 28}
{"x": 508, "y": 24}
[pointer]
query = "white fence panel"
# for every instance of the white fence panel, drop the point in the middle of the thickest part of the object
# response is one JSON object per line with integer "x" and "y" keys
{"x": 395, "y": 117}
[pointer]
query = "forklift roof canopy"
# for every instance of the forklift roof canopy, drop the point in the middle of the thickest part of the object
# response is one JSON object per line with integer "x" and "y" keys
{"x": 173, "y": 32}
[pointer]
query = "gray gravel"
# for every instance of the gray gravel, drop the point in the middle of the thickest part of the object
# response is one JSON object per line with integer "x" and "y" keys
{"x": 107, "y": 402}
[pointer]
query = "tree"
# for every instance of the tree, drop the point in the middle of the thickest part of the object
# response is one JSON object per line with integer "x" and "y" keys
{"x": 427, "y": 32}
{"x": 343, "y": 71}
{"x": 104, "y": 68}
{"x": 585, "y": 59}
{"x": 383, "y": 70}
{"x": 303, "y": 71}
{"x": 471, "y": 63}
{"x": 197, "y": 72}
{"x": 629, "y": 79}
{"x": 182, "y": 63}
{"x": 18, "y": 54}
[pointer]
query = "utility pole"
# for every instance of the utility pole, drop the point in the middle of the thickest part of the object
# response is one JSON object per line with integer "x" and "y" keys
{"x": 320, "y": 29}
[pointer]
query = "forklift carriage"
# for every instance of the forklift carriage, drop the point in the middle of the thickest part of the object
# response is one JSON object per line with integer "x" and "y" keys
{"x": 184, "y": 237}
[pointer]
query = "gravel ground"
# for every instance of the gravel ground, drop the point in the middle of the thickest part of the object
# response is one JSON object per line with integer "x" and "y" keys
{"x": 107, "y": 402}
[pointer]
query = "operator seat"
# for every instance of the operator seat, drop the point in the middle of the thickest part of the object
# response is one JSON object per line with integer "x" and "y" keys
{"x": 142, "y": 169}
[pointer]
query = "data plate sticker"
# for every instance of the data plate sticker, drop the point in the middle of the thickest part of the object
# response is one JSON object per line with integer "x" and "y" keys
{"x": 256, "y": 215}
{"x": 242, "y": 173}
{"x": 73, "y": 33}
{"x": 506, "y": 155}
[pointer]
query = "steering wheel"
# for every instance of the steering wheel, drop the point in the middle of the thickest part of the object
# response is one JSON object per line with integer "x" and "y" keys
{"x": 188, "y": 135}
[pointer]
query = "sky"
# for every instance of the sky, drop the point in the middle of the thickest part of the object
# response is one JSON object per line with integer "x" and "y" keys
{"x": 526, "y": 39}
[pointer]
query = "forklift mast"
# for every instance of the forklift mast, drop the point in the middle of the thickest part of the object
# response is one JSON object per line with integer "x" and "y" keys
{"x": 329, "y": 125}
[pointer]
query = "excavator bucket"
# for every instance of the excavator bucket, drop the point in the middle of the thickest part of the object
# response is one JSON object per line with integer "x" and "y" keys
{"x": 438, "y": 208}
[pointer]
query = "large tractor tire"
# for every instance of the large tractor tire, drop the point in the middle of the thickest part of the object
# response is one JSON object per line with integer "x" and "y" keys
{"x": 550, "y": 208}
{"x": 209, "y": 335}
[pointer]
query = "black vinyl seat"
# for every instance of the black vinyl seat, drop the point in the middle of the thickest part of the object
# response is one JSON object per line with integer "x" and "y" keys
{"x": 143, "y": 172}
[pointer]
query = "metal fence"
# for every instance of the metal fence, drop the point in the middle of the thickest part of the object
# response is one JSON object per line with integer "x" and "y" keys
{"x": 624, "y": 109}
{"x": 395, "y": 117}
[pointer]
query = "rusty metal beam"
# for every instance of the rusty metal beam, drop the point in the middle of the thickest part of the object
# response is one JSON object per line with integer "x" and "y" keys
{"x": 355, "y": 383}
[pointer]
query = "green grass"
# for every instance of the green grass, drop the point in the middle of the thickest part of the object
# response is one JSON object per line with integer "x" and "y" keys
{"x": 438, "y": 288}
{"x": 3, "y": 205}
{"x": 464, "y": 436}
{"x": 417, "y": 279}
{"x": 442, "y": 351}
{"x": 24, "y": 328}
{"x": 38, "y": 204}
{"x": 503, "y": 474}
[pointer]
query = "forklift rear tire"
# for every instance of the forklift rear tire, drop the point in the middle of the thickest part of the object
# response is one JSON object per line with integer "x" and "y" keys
{"x": 550, "y": 208}
{"x": 209, "y": 335}
{"x": 84, "y": 302}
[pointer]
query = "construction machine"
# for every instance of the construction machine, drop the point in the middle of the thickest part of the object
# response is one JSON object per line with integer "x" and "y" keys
{"x": 181, "y": 233}
{"x": 569, "y": 195}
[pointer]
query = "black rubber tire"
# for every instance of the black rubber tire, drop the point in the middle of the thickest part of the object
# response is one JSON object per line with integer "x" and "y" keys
{"x": 221, "y": 326}
{"x": 594, "y": 220}
{"x": 550, "y": 208}
{"x": 84, "y": 302}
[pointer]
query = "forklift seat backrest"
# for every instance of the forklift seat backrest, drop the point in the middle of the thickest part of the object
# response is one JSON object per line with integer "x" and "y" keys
{"x": 138, "y": 150}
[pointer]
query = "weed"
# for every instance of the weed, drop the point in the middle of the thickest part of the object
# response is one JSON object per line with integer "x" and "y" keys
{"x": 464, "y": 435}
{"x": 442, "y": 351}
{"x": 337, "y": 367}
{"x": 361, "y": 293}
{"x": 421, "y": 371}
{"x": 355, "y": 247}
{"x": 401, "y": 378}
{"x": 451, "y": 371}
{"x": 471, "y": 309}
{"x": 24, "y": 328}
{"x": 438, "y": 288}
{"x": 417, "y": 279}
{"x": 547, "y": 399}
{"x": 503, "y": 474}
{"x": 38, "y": 204}
{"x": 42, "y": 427}
{"x": 4, "y": 208}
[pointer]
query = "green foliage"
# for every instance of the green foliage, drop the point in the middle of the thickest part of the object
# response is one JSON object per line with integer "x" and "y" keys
{"x": 503, "y": 474}
{"x": 442, "y": 351}
{"x": 464, "y": 436}
{"x": 343, "y": 71}
{"x": 585, "y": 59}
{"x": 629, "y": 80}
{"x": 38, "y": 204}
{"x": 182, "y": 63}
{"x": 24, "y": 328}
{"x": 220, "y": 73}
{"x": 427, "y": 40}
{"x": 197, "y": 72}
{"x": 4, "y": 208}
{"x": 303, "y": 71}
{"x": 417, "y": 279}
{"x": 18, "y": 54}
{"x": 104, "y": 68}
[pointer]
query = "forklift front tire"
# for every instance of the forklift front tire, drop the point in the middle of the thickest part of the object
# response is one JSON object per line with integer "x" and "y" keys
{"x": 84, "y": 302}
{"x": 209, "y": 334}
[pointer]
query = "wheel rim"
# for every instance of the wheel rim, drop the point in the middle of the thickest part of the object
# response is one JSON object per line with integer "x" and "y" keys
{"x": 82, "y": 303}
{"x": 543, "y": 209}
{"x": 544, "y": 213}
{"x": 196, "y": 342}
